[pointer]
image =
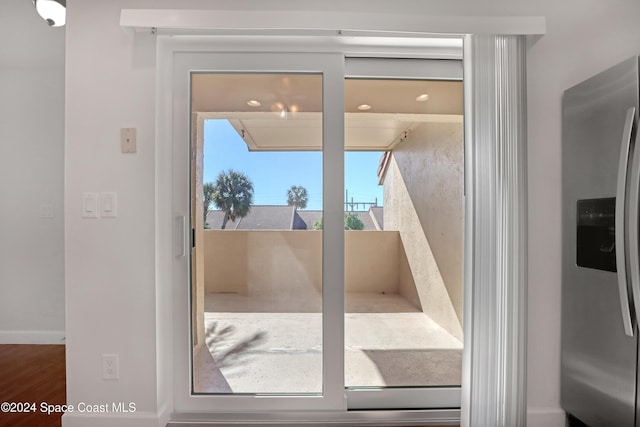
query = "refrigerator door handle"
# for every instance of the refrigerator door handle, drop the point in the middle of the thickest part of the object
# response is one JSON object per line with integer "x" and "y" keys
{"x": 633, "y": 211}
{"x": 621, "y": 229}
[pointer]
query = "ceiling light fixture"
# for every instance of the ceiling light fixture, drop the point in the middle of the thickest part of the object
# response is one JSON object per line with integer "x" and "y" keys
{"x": 284, "y": 109}
{"x": 423, "y": 97}
{"x": 54, "y": 12}
{"x": 364, "y": 107}
{"x": 253, "y": 103}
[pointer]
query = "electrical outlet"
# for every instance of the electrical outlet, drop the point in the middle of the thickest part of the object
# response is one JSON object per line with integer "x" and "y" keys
{"x": 110, "y": 367}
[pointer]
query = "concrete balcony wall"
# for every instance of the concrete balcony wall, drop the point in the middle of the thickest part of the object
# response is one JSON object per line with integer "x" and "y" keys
{"x": 263, "y": 262}
{"x": 423, "y": 201}
{"x": 281, "y": 263}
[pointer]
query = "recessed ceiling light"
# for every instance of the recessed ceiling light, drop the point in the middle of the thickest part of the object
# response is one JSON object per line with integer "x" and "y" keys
{"x": 364, "y": 107}
{"x": 423, "y": 97}
{"x": 253, "y": 103}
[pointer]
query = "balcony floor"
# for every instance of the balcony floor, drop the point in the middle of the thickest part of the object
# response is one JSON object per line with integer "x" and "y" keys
{"x": 273, "y": 345}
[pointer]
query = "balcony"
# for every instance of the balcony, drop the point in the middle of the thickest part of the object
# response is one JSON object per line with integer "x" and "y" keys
{"x": 262, "y": 315}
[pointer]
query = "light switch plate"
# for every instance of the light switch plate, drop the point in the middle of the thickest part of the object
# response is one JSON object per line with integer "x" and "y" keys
{"x": 90, "y": 205}
{"x": 108, "y": 205}
{"x": 128, "y": 140}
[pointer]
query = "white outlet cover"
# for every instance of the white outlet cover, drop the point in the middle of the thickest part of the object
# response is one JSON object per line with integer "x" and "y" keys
{"x": 110, "y": 370}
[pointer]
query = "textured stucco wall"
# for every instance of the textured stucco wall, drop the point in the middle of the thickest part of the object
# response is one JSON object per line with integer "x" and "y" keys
{"x": 372, "y": 261}
{"x": 197, "y": 221}
{"x": 272, "y": 263}
{"x": 264, "y": 263}
{"x": 423, "y": 200}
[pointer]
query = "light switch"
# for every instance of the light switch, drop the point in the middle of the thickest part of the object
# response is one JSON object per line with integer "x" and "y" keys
{"x": 128, "y": 140}
{"x": 108, "y": 205}
{"x": 90, "y": 205}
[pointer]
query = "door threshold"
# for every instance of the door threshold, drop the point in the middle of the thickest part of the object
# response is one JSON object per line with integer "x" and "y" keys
{"x": 439, "y": 417}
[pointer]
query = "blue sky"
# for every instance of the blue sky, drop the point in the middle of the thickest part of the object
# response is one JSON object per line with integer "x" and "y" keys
{"x": 273, "y": 173}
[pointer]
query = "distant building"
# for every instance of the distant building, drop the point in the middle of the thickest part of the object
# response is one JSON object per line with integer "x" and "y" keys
{"x": 279, "y": 217}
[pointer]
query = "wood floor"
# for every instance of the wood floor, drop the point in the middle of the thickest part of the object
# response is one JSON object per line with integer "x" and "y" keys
{"x": 32, "y": 374}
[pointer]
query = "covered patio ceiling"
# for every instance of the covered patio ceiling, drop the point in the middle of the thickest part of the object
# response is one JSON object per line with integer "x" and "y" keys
{"x": 274, "y": 112}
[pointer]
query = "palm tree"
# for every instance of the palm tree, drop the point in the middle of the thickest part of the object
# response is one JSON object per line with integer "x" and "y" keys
{"x": 208, "y": 189}
{"x": 297, "y": 196}
{"x": 233, "y": 195}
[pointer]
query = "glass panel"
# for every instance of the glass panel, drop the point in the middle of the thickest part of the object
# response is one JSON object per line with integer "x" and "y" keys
{"x": 403, "y": 258}
{"x": 257, "y": 215}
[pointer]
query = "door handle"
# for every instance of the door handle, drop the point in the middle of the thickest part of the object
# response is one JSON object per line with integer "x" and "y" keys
{"x": 632, "y": 221}
{"x": 621, "y": 226}
{"x": 180, "y": 236}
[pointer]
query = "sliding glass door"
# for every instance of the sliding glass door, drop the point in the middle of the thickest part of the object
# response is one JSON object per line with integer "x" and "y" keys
{"x": 296, "y": 290}
{"x": 258, "y": 160}
{"x": 251, "y": 144}
{"x": 403, "y": 240}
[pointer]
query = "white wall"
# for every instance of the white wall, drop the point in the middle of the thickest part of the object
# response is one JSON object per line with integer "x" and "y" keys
{"x": 110, "y": 263}
{"x": 31, "y": 174}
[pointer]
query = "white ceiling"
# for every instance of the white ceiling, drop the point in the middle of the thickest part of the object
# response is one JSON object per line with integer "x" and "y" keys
{"x": 394, "y": 110}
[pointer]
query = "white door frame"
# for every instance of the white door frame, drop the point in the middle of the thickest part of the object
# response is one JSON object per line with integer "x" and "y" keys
{"x": 495, "y": 238}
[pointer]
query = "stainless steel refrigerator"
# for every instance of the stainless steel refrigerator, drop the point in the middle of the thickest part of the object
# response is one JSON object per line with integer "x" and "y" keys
{"x": 600, "y": 253}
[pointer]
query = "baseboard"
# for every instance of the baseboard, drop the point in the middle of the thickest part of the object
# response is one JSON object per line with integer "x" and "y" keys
{"x": 32, "y": 337}
{"x": 421, "y": 417}
{"x": 546, "y": 417}
{"x": 137, "y": 419}
{"x": 164, "y": 415}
